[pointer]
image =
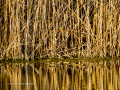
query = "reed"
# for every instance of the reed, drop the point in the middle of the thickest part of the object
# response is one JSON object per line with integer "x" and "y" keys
{"x": 29, "y": 29}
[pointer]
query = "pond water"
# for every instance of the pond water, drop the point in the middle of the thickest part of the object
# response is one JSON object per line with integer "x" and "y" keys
{"x": 60, "y": 75}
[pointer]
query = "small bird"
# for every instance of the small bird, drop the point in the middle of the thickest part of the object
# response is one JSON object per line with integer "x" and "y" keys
{"x": 61, "y": 28}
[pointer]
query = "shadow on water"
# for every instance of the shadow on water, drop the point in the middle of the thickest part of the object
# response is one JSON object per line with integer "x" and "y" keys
{"x": 60, "y": 75}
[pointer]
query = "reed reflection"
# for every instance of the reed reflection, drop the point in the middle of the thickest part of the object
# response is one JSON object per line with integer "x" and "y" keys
{"x": 102, "y": 75}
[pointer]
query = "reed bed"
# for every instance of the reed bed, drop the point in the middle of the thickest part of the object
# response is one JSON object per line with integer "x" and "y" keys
{"x": 29, "y": 29}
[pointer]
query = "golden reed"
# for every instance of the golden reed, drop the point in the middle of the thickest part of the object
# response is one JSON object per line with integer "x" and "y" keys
{"x": 29, "y": 29}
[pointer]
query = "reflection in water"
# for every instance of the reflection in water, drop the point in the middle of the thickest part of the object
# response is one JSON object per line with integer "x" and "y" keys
{"x": 102, "y": 75}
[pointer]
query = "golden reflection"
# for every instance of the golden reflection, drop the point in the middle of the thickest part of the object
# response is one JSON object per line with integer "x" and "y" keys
{"x": 102, "y": 75}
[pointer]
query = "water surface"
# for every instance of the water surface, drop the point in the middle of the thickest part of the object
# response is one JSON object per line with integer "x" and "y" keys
{"x": 60, "y": 75}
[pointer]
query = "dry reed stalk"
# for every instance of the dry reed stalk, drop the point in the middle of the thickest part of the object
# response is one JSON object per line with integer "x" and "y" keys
{"x": 110, "y": 29}
{"x": 11, "y": 28}
{"x": 33, "y": 42}
{"x": 104, "y": 31}
{"x": 65, "y": 33}
{"x": 18, "y": 28}
{"x": 0, "y": 31}
{"x": 101, "y": 27}
{"x": 5, "y": 23}
{"x": 96, "y": 24}
{"x": 119, "y": 37}
{"x": 49, "y": 27}
{"x": 40, "y": 26}
{"x": 4, "y": 41}
{"x": 27, "y": 29}
{"x": 54, "y": 31}
{"x": 81, "y": 35}
{"x": 73, "y": 25}
{"x": 88, "y": 29}
{"x": 72, "y": 30}
{"x": 78, "y": 29}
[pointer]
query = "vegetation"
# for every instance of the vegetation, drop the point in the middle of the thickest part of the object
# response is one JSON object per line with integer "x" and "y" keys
{"x": 29, "y": 29}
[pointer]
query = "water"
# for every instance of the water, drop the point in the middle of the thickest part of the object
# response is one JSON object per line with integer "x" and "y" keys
{"x": 60, "y": 75}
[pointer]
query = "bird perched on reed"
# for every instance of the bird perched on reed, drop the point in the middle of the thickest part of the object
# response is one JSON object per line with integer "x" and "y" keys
{"x": 61, "y": 28}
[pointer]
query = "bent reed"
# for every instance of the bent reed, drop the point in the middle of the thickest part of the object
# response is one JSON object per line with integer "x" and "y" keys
{"x": 29, "y": 29}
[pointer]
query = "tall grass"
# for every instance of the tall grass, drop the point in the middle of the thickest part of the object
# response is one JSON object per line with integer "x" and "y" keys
{"x": 29, "y": 28}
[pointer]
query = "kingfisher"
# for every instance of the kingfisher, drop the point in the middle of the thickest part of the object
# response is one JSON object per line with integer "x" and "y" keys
{"x": 61, "y": 28}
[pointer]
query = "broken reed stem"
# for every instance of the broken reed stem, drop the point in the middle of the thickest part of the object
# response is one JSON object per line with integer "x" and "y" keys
{"x": 29, "y": 29}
